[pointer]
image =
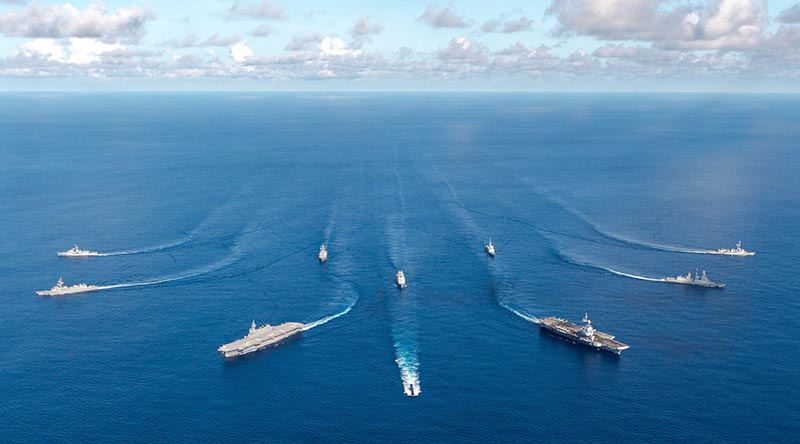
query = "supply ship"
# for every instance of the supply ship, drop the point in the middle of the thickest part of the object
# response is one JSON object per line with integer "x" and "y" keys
{"x": 261, "y": 337}
{"x": 585, "y": 334}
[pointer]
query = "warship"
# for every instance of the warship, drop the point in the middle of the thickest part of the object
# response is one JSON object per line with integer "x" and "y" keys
{"x": 60, "y": 289}
{"x": 490, "y": 248}
{"x": 77, "y": 252}
{"x": 585, "y": 334}
{"x": 323, "y": 253}
{"x": 738, "y": 251}
{"x": 261, "y": 337}
{"x": 400, "y": 278}
{"x": 696, "y": 279}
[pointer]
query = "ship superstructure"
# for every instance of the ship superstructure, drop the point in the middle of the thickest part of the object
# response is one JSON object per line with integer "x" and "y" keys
{"x": 61, "y": 289}
{"x": 490, "y": 248}
{"x": 77, "y": 252}
{"x": 261, "y": 337}
{"x": 400, "y": 278}
{"x": 697, "y": 279}
{"x": 583, "y": 334}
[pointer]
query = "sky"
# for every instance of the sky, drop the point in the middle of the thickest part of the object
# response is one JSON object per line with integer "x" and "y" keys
{"x": 359, "y": 45}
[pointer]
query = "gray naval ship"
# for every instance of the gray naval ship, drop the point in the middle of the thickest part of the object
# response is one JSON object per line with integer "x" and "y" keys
{"x": 585, "y": 334}
{"x": 261, "y": 337}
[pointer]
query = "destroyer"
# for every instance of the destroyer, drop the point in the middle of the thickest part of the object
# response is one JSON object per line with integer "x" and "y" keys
{"x": 738, "y": 251}
{"x": 585, "y": 334}
{"x": 261, "y": 337}
{"x": 400, "y": 278}
{"x": 490, "y": 248}
{"x": 61, "y": 289}
{"x": 77, "y": 252}
{"x": 323, "y": 253}
{"x": 696, "y": 279}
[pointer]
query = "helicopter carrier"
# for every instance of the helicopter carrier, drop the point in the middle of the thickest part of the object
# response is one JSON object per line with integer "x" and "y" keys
{"x": 261, "y": 337}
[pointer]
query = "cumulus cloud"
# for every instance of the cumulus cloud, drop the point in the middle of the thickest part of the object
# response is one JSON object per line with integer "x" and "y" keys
{"x": 364, "y": 27}
{"x": 507, "y": 26}
{"x": 261, "y": 31}
{"x": 260, "y": 10}
{"x": 332, "y": 46}
{"x": 363, "y": 30}
{"x": 302, "y": 42}
{"x": 240, "y": 52}
{"x": 790, "y": 15}
{"x": 442, "y": 17}
{"x": 192, "y": 41}
{"x": 45, "y": 48}
{"x": 75, "y": 50}
{"x": 61, "y": 21}
{"x": 721, "y": 24}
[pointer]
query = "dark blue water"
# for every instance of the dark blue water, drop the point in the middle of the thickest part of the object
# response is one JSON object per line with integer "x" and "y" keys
{"x": 219, "y": 203}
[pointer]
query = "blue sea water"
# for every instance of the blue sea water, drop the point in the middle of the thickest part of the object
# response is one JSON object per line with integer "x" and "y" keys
{"x": 215, "y": 204}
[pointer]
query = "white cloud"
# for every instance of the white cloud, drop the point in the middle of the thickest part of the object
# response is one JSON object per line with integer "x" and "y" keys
{"x": 332, "y": 46}
{"x": 240, "y": 52}
{"x": 507, "y": 26}
{"x": 442, "y": 17}
{"x": 75, "y": 50}
{"x": 790, "y": 15}
{"x": 59, "y": 21}
{"x": 261, "y": 31}
{"x": 261, "y": 10}
{"x": 46, "y": 48}
{"x": 303, "y": 42}
{"x": 192, "y": 41}
{"x": 721, "y": 24}
{"x": 83, "y": 51}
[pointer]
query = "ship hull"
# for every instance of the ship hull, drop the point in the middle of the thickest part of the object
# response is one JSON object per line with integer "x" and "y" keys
{"x": 695, "y": 284}
{"x": 68, "y": 292}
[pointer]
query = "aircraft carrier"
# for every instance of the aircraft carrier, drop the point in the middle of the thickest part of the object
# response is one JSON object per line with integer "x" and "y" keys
{"x": 585, "y": 334}
{"x": 261, "y": 337}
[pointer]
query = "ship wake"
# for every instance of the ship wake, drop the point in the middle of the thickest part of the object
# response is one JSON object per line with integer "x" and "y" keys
{"x": 618, "y": 237}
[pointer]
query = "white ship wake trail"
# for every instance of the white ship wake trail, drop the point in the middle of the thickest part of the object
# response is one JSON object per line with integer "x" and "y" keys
{"x": 495, "y": 268}
{"x": 402, "y": 306}
{"x": 181, "y": 277}
{"x": 587, "y": 264}
{"x": 617, "y": 237}
{"x": 338, "y": 267}
{"x": 212, "y": 218}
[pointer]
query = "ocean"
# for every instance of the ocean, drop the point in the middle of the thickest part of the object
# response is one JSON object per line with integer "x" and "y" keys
{"x": 211, "y": 208}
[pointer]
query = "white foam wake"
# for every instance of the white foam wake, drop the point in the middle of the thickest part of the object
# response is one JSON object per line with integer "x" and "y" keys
{"x": 327, "y": 319}
{"x": 527, "y": 316}
{"x": 188, "y": 275}
{"x": 618, "y": 237}
{"x": 153, "y": 249}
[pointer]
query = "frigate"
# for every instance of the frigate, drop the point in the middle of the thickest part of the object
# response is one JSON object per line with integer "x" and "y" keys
{"x": 61, "y": 289}
{"x": 77, "y": 252}
{"x": 700, "y": 280}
